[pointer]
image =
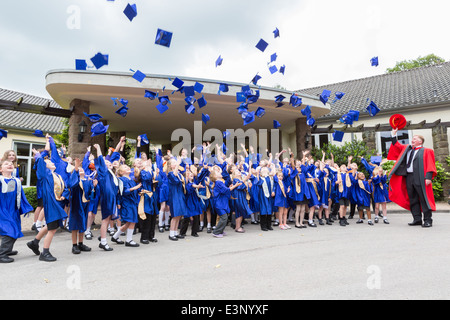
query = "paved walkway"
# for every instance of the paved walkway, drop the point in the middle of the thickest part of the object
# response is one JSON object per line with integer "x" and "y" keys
{"x": 355, "y": 262}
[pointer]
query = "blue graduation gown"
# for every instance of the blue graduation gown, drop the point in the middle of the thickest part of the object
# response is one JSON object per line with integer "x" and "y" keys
{"x": 109, "y": 187}
{"x": 79, "y": 209}
{"x": 380, "y": 189}
{"x": 193, "y": 203}
{"x": 240, "y": 202}
{"x": 221, "y": 195}
{"x": 150, "y": 202}
{"x": 281, "y": 195}
{"x": 304, "y": 193}
{"x": 10, "y": 210}
{"x": 265, "y": 201}
{"x": 325, "y": 188}
{"x": 177, "y": 201}
{"x": 254, "y": 195}
{"x": 53, "y": 209}
{"x": 129, "y": 201}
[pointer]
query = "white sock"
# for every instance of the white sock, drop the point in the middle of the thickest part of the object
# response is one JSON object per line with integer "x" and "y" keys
{"x": 253, "y": 217}
{"x": 161, "y": 217}
{"x": 167, "y": 215}
{"x": 117, "y": 234}
{"x": 209, "y": 225}
{"x": 103, "y": 241}
{"x": 130, "y": 235}
{"x": 202, "y": 224}
{"x": 171, "y": 233}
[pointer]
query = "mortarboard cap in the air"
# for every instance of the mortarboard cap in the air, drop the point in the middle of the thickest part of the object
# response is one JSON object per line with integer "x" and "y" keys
{"x": 144, "y": 139}
{"x": 100, "y": 60}
{"x": 373, "y": 109}
{"x": 202, "y": 102}
{"x": 98, "y": 129}
{"x": 374, "y": 62}
{"x": 219, "y": 61}
{"x": 39, "y": 134}
{"x": 123, "y": 111}
{"x": 130, "y": 11}
{"x": 80, "y": 64}
{"x": 276, "y": 124}
{"x": 139, "y": 76}
{"x": 151, "y": 95}
{"x": 163, "y": 38}
{"x": 338, "y": 136}
{"x": 262, "y": 45}
{"x": 205, "y": 118}
{"x": 276, "y": 33}
{"x": 249, "y": 117}
{"x": 260, "y": 112}
{"x": 93, "y": 117}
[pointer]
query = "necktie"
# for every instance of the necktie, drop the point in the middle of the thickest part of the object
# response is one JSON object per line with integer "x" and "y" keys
{"x": 411, "y": 157}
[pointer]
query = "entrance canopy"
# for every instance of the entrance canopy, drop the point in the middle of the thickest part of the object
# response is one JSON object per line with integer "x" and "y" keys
{"x": 98, "y": 87}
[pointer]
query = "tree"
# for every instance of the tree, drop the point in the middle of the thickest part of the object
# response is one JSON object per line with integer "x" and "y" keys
{"x": 429, "y": 60}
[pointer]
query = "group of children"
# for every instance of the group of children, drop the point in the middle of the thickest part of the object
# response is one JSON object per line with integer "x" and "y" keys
{"x": 175, "y": 192}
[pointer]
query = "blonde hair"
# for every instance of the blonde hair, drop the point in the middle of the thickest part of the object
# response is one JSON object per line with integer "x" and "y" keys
{"x": 6, "y": 154}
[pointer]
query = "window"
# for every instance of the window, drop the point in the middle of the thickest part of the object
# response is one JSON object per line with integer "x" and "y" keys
{"x": 319, "y": 140}
{"x": 26, "y": 161}
{"x": 386, "y": 141}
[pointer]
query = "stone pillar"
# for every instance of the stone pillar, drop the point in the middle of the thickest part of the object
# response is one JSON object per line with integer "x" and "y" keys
{"x": 369, "y": 138}
{"x": 301, "y": 129}
{"x": 77, "y": 149}
{"x": 441, "y": 151}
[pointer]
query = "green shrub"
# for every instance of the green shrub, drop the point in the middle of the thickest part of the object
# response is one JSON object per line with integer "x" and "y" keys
{"x": 441, "y": 177}
{"x": 31, "y": 195}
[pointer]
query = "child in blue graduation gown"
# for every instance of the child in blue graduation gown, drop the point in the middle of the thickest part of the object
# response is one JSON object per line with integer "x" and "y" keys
{"x": 13, "y": 203}
{"x": 206, "y": 199}
{"x": 362, "y": 195}
{"x": 129, "y": 201}
{"x": 325, "y": 194}
{"x": 177, "y": 201}
{"x": 343, "y": 184}
{"x": 54, "y": 193}
{"x": 88, "y": 166}
{"x": 282, "y": 190}
{"x": 193, "y": 203}
{"x": 221, "y": 194}
{"x": 380, "y": 192}
{"x": 148, "y": 206}
{"x": 82, "y": 192}
{"x": 163, "y": 191}
{"x": 266, "y": 195}
{"x": 299, "y": 190}
{"x": 240, "y": 198}
{"x": 109, "y": 187}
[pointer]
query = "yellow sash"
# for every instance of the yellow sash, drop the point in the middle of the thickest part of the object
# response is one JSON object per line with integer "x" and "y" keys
{"x": 361, "y": 185}
{"x": 58, "y": 186}
{"x": 141, "y": 207}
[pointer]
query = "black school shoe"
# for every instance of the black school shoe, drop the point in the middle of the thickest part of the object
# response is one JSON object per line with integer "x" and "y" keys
{"x": 105, "y": 247}
{"x": 34, "y": 247}
{"x": 47, "y": 257}
{"x": 6, "y": 259}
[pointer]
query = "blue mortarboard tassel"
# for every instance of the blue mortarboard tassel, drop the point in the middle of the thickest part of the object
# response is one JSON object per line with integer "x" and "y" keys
{"x": 262, "y": 45}
{"x": 163, "y": 38}
{"x": 130, "y": 11}
{"x": 374, "y": 62}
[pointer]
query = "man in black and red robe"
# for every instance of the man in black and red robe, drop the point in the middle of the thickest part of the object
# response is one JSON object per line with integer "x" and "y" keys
{"x": 410, "y": 184}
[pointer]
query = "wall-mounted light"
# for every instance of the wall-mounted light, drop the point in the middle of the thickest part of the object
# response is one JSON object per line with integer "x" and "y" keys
{"x": 307, "y": 140}
{"x": 83, "y": 128}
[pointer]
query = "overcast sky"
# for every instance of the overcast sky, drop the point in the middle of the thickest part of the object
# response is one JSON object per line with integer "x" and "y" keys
{"x": 322, "y": 41}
